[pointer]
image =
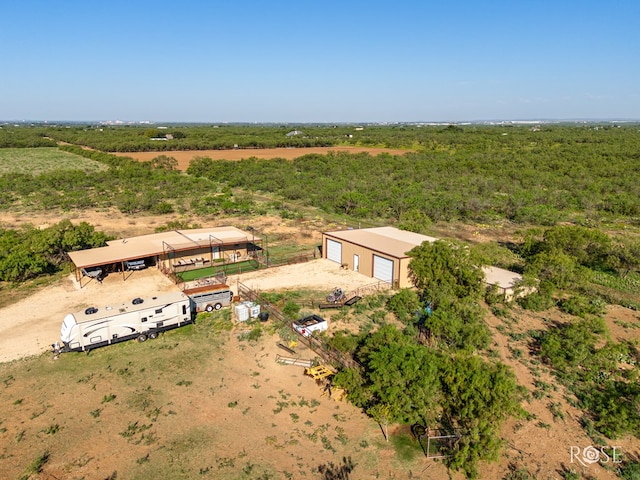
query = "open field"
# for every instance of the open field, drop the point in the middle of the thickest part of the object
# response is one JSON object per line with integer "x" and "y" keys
{"x": 205, "y": 401}
{"x": 43, "y": 159}
{"x": 200, "y": 402}
{"x": 185, "y": 157}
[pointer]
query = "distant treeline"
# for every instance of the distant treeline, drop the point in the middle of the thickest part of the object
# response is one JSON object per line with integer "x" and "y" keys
{"x": 142, "y": 139}
{"x": 541, "y": 176}
{"x": 484, "y": 175}
{"x": 221, "y": 137}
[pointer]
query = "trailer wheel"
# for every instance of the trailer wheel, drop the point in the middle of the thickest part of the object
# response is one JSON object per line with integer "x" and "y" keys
{"x": 218, "y": 306}
{"x": 209, "y": 308}
{"x": 153, "y": 335}
{"x": 142, "y": 338}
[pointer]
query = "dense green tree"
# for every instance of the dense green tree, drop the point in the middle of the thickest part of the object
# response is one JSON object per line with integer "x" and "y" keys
{"x": 444, "y": 271}
{"x": 21, "y": 264}
{"x": 405, "y": 305}
{"x": 153, "y": 133}
{"x": 415, "y": 220}
{"x": 477, "y": 396}
{"x": 555, "y": 267}
{"x": 588, "y": 246}
{"x": 405, "y": 377}
{"x": 354, "y": 204}
{"x": 30, "y": 252}
{"x": 464, "y": 395}
{"x": 458, "y": 325}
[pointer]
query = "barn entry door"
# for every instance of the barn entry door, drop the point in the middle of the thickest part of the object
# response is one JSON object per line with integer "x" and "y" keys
{"x": 383, "y": 269}
{"x": 334, "y": 251}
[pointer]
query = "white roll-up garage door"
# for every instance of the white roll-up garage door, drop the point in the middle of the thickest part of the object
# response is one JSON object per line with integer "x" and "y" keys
{"x": 383, "y": 269}
{"x": 334, "y": 251}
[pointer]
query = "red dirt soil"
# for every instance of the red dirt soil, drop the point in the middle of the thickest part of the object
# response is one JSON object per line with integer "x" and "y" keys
{"x": 184, "y": 157}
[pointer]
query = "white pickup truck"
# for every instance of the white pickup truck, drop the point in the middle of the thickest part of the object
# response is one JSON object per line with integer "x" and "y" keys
{"x": 307, "y": 325}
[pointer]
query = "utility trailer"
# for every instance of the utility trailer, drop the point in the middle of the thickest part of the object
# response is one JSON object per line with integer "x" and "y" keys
{"x": 210, "y": 297}
{"x": 140, "y": 318}
{"x": 307, "y": 325}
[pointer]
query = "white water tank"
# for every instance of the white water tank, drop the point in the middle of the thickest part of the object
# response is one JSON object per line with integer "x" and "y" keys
{"x": 254, "y": 311}
{"x": 242, "y": 313}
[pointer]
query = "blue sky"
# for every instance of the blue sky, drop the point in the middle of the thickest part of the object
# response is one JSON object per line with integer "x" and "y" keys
{"x": 312, "y": 61}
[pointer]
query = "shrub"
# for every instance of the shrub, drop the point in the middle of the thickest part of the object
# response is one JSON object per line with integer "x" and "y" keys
{"x": 568, "y": 346}
{"x": 344, "y": 341}
{"x": 404, "y": 305}
{"x": 252, "y": 335}
{"x": 291, "y": 309}
{"x": 629, "y": 470}
{"x": 581, "y": 306}
{"x": 541, "y": 299}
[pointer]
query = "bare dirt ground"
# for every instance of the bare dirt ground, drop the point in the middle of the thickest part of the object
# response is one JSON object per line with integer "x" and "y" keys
{"x": 184, "y": 157}
{"x": 543, "y": 445}
{"x": 242, "y": 413}
{"x": 247, "y": 375}
{"x": 30, "y": 326}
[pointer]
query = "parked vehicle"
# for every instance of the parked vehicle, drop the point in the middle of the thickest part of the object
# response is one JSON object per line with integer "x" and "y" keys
{"x": 135, "y": 264}
{"x": 210, "y": 297}
{"x": 94, "y": 272}
{"x": 141, "y": 318}
{"x": 308, "y": 325}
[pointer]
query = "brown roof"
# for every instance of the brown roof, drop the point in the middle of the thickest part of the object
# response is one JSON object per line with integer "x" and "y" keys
{"x": 387, "y": 240}
{"x": 158, "y": 243}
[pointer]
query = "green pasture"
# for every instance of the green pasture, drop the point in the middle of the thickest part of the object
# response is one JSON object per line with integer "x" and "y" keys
{"x": 41, "y": 160}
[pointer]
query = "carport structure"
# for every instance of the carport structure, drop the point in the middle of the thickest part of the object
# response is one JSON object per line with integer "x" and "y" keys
{"x": 173, "y": 251}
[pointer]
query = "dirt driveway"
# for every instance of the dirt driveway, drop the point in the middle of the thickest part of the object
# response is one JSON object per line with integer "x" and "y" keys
{"x": 30, "y": 326}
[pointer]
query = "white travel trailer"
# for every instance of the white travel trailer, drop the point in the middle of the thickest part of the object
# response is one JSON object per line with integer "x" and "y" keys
{"x": 140, "y": 318}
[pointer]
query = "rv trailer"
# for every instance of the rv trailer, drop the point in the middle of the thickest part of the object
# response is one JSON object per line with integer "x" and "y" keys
{"x": 141, "y": 318}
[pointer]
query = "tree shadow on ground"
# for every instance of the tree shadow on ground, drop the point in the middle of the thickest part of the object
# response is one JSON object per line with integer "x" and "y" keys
{"x": 341, "y": 471}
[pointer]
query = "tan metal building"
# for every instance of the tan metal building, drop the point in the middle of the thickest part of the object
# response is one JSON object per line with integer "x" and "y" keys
{"x": 381, "y": 253}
